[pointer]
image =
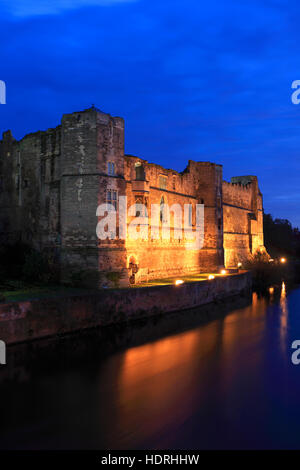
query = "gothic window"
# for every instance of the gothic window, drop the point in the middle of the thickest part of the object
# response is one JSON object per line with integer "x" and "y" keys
{"x": 138, "y": 206}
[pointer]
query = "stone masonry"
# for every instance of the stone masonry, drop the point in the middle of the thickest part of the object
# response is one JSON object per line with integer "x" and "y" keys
{"x": 52, "y": 182}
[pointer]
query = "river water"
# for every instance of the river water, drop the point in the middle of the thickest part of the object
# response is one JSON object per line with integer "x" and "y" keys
{"x": 168, "y": 383}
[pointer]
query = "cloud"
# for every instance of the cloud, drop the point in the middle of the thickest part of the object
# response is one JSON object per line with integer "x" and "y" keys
{"x": 288, "y": 197}
{"x": 19, "y": 8}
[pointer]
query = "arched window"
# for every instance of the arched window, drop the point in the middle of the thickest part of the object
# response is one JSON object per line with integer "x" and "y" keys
{"x": 139, "y": 205}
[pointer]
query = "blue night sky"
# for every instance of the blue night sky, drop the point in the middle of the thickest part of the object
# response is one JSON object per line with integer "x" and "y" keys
{"x": 193, "y": 80}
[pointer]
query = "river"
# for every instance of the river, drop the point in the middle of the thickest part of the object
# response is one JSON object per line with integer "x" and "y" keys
{"x": 162, "y": 384}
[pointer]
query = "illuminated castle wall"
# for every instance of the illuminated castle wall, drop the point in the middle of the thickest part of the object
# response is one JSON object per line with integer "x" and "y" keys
{"x": 52, "y": 183}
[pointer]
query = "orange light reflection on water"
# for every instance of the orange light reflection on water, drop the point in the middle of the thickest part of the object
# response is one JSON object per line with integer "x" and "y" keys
{"x": 283, "y": 317}
{"x": 159, "y": 384}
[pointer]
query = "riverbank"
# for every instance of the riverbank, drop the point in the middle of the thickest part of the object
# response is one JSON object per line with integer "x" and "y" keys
{"x": 39, "y": 318}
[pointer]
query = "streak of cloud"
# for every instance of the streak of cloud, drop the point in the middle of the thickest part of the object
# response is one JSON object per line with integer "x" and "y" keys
{"x": 21, "y": 8}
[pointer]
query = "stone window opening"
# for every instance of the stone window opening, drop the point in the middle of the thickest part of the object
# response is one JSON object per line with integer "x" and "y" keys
{"x": 112, "y": 198}
{"x": 139, "y": 209}
{"x": 139, "y": 172}
{"x": 162, "y": 182}
{"x": 174, "y": 182}
{"x": 111, "y": 168}
{"x": 141, "y": 203}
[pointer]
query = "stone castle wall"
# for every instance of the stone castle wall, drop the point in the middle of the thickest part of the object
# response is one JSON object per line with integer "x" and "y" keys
{"x": 200, "y": 183}
{"x": 242, "y": 219}
{"x": 30, "y": 188}
{"x": 52, "y": 182}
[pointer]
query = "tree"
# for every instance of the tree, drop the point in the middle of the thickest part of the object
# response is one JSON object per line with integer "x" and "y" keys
{"x": 281, "y": 239}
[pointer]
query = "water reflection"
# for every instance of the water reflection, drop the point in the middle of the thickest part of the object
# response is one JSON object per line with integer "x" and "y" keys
{"x": 283, "y": 317}
{"x": 161, "y": 384}
{"x": 223, "y": 384}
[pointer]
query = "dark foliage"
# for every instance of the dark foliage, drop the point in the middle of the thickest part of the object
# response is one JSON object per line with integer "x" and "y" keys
{"x": 23, "y": 263}
{"x": 281, "y": 239}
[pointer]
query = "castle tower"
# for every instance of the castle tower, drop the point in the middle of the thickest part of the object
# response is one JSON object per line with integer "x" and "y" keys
{"x": 243, "y": 219}
{"x": 92, "y": 173}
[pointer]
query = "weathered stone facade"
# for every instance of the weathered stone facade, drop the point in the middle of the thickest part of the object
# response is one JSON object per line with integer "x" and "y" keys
{"x": 52, "y": 183}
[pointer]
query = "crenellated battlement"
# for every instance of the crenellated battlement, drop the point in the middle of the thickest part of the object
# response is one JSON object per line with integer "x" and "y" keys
{"x": 243, "y": 187}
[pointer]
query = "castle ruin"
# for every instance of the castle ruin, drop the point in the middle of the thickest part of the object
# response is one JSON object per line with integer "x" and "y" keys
{"x": 52, "y": 182}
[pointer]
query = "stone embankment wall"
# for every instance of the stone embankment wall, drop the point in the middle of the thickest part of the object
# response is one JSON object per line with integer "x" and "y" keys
{"x": 33, "y": 319}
